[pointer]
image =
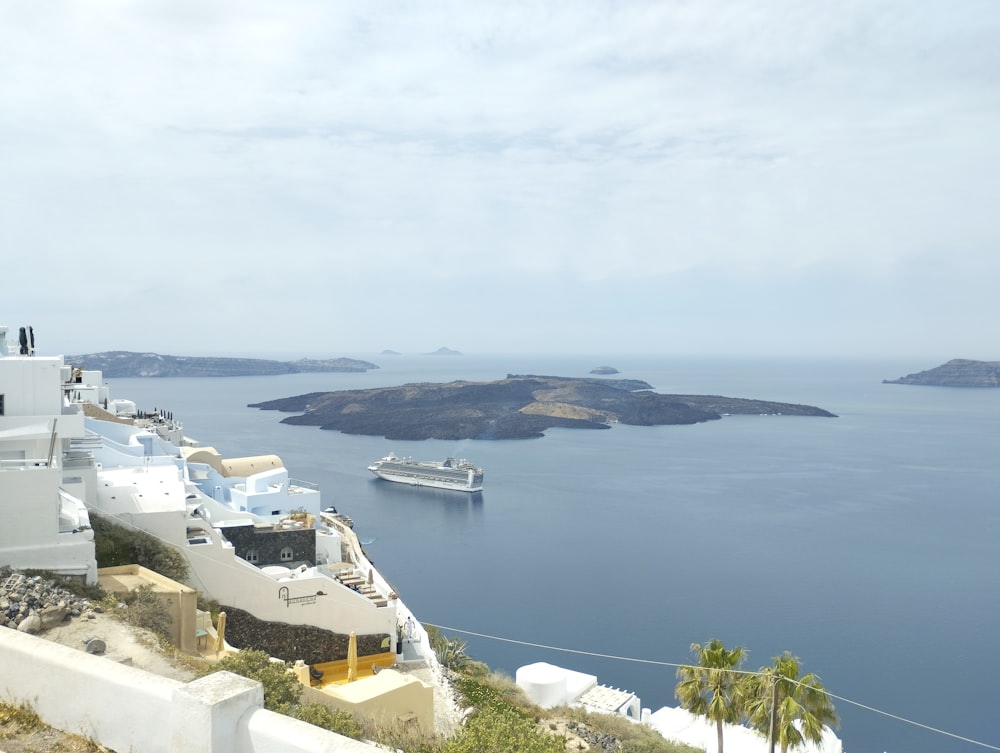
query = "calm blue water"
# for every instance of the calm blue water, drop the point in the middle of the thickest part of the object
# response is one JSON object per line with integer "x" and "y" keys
{"x": 866, "y": 544}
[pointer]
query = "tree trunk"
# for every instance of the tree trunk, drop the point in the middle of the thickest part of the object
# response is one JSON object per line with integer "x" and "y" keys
{"x": 718, "y": 729}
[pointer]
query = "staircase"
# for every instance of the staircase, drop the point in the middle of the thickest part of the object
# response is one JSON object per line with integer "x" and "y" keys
{"x": 356, "y": 583}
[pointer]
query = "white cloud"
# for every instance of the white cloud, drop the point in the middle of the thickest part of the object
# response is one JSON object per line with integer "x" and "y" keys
{"x": 512, "y": 149}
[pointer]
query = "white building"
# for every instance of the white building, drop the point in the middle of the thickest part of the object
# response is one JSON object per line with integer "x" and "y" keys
{"x": 259, "y": 484}
{"x": 697, "y": 731}
{"x": 549, "y": 686}
{"x": 56, "y": 464}
{"x": 146, "y": 482}
{"x": 43, "y": 520}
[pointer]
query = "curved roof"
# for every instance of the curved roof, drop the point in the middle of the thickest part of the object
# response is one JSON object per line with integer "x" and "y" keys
{"x": 251, "y": 465}
{"x": 207, "y": 455}
{"x": 232, "y": 467}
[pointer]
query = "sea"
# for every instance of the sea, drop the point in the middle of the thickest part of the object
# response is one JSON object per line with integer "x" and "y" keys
{"x": 866, "y": 545}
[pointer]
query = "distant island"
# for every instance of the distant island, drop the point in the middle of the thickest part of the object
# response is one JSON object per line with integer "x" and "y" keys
{"x": 445, "y": 352}
{"x": 958, "y": 372}
{"x": 604, "y": 370}
{"x": 518, "y": 407}
{"x": 123, "y": 363}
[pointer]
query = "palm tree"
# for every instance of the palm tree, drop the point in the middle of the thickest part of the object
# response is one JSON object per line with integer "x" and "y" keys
{"x": 710, "y": 689}
{"x": 800, "y": 705}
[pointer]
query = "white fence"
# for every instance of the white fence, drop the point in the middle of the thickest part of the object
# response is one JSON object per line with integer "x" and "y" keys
{"x": 132, "y": 711}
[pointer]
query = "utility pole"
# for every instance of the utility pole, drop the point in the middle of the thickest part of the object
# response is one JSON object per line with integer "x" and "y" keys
{"x": 774, "y": 712}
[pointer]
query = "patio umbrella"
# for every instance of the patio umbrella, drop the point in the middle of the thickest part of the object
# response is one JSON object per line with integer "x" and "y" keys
{"x": 220, "y": 633}
{"x": 352, "y": 658}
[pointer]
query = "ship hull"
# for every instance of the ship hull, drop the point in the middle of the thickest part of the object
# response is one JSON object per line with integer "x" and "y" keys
{"x": 461, "y": 477}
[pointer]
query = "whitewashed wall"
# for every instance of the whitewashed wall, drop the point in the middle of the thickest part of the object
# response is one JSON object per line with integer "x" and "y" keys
{"x": 127, "y": 709}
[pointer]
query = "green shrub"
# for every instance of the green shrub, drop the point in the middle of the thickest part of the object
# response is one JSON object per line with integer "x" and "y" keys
{"x": 476, "y": 693}
{"x": 115, "y": 545}
{"x": 281, "y": 688}
{"x": 335, "y": 720}
{"x": 653, "y": 742}
{"x": 144, "y": 609}
{"x": 502, "y": 729}
{"x": 399, "y": 736}
{"x": 209, "y": 605}
{"x": 492, "y": 688}
{"x": 633, "y": 738}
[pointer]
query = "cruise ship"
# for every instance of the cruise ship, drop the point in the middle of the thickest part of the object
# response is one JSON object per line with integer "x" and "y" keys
{"x": 450, "y": 473}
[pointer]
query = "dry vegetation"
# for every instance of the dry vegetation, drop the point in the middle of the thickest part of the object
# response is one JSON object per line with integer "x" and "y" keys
{"x": 21, "y": 731}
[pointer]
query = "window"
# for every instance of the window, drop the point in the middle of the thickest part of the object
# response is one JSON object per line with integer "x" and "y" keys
{"x": 287, "y": 554}
{"x": 253, "y": 556}
{"x": 1, "y": 404}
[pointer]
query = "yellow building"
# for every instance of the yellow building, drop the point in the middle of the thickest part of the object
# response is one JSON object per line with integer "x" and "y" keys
{"x": 388, "y": 696}
{"x": 179, "y": 601}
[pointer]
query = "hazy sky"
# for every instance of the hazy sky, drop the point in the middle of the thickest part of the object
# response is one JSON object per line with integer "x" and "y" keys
{"x": 334, "y": 177}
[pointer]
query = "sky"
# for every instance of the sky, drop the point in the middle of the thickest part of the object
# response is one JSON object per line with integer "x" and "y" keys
{"x": 308, "y": 177}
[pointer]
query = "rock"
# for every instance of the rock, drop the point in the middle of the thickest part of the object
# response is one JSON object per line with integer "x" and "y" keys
{"x": 30, "y": 624}
{"x": 34, "y": 604}
{"x": 52, "y": 615}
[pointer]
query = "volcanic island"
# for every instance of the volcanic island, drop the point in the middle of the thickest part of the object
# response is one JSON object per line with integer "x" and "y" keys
{"x": 958, "y": 372}
{"x": 517, "y": 407}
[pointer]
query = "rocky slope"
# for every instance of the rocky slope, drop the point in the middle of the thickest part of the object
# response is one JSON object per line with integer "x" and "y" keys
{"x": 123, "y": 363}
{"x": 31, "y": 603}
{"x": 958, "y": 372}
{"x": 518, "y": 407}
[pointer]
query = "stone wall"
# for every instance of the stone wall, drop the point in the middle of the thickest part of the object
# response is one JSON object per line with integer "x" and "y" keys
{"x": 291, "y": 642}
{"x": 268, "y": 543}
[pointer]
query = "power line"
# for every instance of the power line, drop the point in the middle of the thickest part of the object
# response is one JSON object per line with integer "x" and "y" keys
{"x": 915, "y": 724}
{"x": 657, "y": 662}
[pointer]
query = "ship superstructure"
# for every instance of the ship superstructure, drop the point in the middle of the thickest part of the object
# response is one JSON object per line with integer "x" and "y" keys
{"x": 450, "y": 473}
